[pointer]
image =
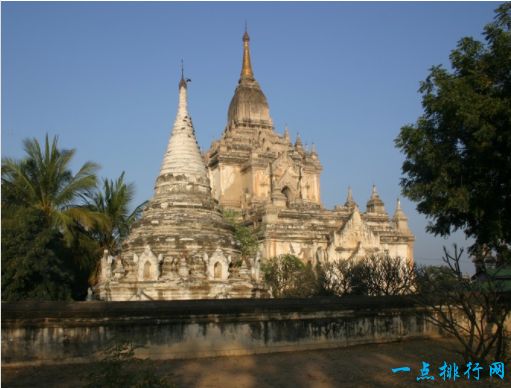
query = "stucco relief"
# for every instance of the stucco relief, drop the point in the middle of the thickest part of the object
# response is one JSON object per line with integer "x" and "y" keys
{"x": 148, "y": 265}
{"x": 356, "y": 231}
{"x": 217, "y": 265}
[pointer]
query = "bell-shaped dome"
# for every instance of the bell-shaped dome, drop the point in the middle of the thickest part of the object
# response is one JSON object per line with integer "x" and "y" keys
{"x": 248, "y": 105}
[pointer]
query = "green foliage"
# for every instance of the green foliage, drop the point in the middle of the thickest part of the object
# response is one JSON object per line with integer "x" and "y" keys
{"x": 119, "y": 369}
{"x": 457, "y": 165}
{"x": 245, "y": 236}
{"x": 33, "y": 258}
{"x": 113, "y": 202}
{"x": 43, "y": 180}
{"x": 458, "y": 170}
{"x": 288, "y": 277}
{"x": 435, "y": 280}
{"x": 42, "y": 202}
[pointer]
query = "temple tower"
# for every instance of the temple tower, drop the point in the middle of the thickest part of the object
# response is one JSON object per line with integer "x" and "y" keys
{"x": 252, "y": 164}
{"x": 182, "y": 248}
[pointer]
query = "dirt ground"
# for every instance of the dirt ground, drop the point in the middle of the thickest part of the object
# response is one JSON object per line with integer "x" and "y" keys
{"x": 358, "y": 366}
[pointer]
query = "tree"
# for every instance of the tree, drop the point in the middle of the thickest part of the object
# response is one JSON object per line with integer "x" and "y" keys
{"x": 113, "y": 202}
{"x": 245, "y": 236}
{"x": 43, "y": 180}
{"x": 371, "y": 275}
{"x": 386, "y": 275}
{"x": 33, "y": 257}
{"x": 458, "y": 153}
{"x": 474, "y": 313}
{"x": 287, "y": 276}
{"x": 337, "y": 277}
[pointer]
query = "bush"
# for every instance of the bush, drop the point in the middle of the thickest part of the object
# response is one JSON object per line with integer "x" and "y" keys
{"x": 288, "y": 277}
{"x": 473, "y": 312}
{"x": 245, "y": 236}
{"x": 33, "y": 258}
{"x": 372, "y": 275}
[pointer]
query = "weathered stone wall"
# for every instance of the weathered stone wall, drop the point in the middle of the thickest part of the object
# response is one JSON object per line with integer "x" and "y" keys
{"x": 53, "y": 332}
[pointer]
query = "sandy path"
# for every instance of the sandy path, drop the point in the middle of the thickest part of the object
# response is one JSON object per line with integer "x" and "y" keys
{"x": 359, "y": 366}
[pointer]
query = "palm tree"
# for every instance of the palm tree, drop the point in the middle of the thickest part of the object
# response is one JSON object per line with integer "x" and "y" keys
{"x": 44, "y": 180}
{"x": 113, "y": 202}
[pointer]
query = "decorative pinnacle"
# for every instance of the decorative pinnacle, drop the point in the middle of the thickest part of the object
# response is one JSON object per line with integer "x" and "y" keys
{"x": 246, "y": 69}
{"x": 313, "y": 149}
{"x": 349, "y": 198}
{"x": 298, "y": 142}
{"x": 182, "y": 82}
{"x": 245, "y": 35}
{"x": 399, "y": 214}
{"x": 374, "y": 193}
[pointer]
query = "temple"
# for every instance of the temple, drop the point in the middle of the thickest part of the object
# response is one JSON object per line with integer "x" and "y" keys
{"x": 183, "y": 248}
{"x": 274, "y": 184}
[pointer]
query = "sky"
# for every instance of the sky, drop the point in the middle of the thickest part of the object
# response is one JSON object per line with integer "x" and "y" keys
{"x": 103, "y": 76}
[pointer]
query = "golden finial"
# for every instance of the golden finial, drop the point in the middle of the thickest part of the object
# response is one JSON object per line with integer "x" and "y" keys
{"x": 246, "y": 69}
{"x": 245, "y": 35}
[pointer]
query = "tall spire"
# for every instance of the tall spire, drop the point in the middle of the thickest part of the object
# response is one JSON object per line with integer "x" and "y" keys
{"x": 248, "y": 106}
{"x": 183, "y": 155}
{"x": 182, "y": 82}
{"x": 246, "y": 69}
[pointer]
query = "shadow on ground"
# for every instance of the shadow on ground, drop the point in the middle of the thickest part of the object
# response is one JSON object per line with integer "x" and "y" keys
{"x": 358, "y": 366}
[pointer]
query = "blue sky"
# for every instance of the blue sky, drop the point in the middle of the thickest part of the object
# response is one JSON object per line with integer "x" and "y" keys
{"x": 103, "y": 77}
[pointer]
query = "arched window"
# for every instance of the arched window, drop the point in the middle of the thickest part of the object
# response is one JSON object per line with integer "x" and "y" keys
{"x": 217, "y": 271}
